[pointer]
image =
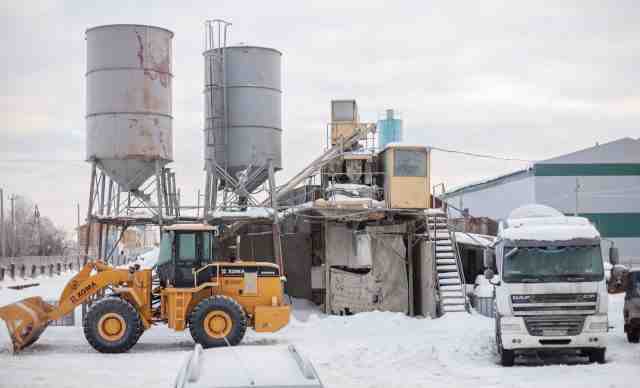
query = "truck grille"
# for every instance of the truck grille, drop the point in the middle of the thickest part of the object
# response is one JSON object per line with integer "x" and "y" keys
{"x": 554, "y": 325}
{"x": 549, "y": 304}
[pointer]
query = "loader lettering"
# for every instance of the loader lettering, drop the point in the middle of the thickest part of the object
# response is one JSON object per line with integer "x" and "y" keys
{"x": 82, "y": 293}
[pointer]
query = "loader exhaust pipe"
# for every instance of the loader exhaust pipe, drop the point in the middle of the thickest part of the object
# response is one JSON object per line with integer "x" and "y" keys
{"x": 26, "y": 320}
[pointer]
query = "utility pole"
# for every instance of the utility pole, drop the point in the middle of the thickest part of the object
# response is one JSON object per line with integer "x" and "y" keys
{"x": 577, "y": 195}
{"x": 3, "y": 240}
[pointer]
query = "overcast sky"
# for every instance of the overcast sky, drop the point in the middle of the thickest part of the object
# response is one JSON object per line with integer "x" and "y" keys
{"x": 528, "y": 79}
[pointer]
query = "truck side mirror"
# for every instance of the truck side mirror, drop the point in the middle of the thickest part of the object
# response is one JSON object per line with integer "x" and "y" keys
{"x": 614, "y": 255}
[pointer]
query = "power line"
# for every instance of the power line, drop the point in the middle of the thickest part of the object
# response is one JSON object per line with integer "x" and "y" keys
{"x": 486, "y": 156}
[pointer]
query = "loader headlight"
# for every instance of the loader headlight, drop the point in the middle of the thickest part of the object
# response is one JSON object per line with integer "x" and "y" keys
{"x": 511, "y": 328}
{"x": 599, "y": 326}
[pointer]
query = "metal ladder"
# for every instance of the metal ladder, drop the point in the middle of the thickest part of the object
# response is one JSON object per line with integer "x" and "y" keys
{"x": 450, "y": 274}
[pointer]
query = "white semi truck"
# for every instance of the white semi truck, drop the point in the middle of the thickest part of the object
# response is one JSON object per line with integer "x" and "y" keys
{"x": 551, "y": 293}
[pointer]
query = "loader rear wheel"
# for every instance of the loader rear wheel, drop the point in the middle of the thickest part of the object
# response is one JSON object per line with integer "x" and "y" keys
{"x": 112, "y": 325}
{"x": 217, "y": 320}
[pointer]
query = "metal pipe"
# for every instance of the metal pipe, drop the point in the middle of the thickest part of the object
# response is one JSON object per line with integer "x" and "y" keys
{"x": 90, "y": 210}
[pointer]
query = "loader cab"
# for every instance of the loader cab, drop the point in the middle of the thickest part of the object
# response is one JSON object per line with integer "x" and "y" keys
{"x": 185, "y": 248}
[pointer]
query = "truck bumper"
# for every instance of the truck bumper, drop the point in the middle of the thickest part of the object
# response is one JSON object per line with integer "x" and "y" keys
{"x": 516, "y": 337}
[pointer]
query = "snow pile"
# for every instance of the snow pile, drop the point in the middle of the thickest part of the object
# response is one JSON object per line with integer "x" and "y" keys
{"x": 251, "y": 212}
{"x": 6, "y": 345}
{"x": 534, "y": 211}
{"x": 376, "y": 349}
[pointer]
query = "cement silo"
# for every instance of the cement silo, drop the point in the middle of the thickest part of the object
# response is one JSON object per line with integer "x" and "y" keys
{"x": 243, "y": 112}
{"x": 129, "y": 98}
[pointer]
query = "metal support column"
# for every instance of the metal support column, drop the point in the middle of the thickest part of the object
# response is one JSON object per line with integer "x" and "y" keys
{"x": 89, "y": 211}
{"x": 159, "y": 185}
{"x": 277, "y": 240}
{"x": 327, "y": 271}
{"x": 3, "y": 240}
{"x": 410, "y": 272}
{"x": 207, "y": 193}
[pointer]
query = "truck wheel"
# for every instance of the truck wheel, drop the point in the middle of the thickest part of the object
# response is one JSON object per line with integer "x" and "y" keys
{"x": 597, "y": 355}
{"x": 633, "y": 336}
{"x": 112, "y": 325}
{"x": 507, "y": 357}
{"x": 216, "y": 321}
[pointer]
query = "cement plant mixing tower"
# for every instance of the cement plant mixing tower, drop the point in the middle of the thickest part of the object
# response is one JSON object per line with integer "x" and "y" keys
{"x": 243, "y": 117}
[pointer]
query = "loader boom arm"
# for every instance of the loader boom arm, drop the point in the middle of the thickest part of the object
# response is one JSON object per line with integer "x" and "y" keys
{"x": 28, "y": 318}
{"x": 84, "y": 285}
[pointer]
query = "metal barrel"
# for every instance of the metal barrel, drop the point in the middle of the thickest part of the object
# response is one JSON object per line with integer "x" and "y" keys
{"x": 129, "y": 100}
{"x": 252, "y": 95}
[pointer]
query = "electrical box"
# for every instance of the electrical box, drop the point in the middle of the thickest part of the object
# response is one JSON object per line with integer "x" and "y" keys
{"x": 406, "y": 176}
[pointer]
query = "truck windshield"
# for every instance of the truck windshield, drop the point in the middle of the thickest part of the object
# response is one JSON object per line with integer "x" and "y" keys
{"x": 553, "y": 264}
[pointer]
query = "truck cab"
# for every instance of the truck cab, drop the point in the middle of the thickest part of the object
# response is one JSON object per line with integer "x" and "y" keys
{"x": 551, "y": 295}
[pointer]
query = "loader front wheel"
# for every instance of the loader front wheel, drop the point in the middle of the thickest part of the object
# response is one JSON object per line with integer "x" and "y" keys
{"x": 112, "y": 325}
{"x": 217, "y": 321}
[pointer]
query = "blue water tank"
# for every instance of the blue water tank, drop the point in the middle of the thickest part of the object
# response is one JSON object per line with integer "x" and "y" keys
{"x": 389, "y": 129}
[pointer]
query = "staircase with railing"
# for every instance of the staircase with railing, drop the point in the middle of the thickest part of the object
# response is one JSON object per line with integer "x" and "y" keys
{"x": 448, "y": 264}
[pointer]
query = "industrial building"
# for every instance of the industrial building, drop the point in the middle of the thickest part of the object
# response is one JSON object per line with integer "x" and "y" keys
{"x": 601, "y": 183}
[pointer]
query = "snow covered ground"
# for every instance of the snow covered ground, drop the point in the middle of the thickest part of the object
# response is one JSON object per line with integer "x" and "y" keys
{"x": 366, "y": 350}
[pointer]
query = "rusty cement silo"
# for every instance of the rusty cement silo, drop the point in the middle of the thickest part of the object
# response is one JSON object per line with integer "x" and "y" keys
{"x": 243, "y": 110}
{"x": 129, "y": 99}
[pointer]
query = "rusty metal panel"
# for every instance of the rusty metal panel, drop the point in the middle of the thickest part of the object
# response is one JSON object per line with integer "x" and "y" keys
{"x": 252, "y": 76}
{"x": 129, "y": 100}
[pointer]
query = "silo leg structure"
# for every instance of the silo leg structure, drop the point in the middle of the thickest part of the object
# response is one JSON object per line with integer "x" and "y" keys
{"x": 129, "y": 132}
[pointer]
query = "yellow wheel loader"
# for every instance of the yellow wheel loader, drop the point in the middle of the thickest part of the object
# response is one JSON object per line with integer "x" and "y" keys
{"x": 216, "y": 300}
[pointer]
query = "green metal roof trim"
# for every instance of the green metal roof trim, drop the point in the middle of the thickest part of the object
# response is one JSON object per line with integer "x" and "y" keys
{"x": 520, "y": 174}
{"x": 607, "y": 169}
{"x": 615, "y": 224}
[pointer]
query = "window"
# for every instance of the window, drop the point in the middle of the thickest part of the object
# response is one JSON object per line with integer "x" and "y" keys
{"x": 186, "y": 247}
{"x": 410, "y": 163}
{"x": 206, "y": 247}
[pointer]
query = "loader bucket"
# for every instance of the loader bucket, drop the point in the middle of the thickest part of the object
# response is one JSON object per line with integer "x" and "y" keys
{"x": 26, "y": 320}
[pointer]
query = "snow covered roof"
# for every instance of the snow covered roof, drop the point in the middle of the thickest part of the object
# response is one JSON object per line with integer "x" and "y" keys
{"x": 194, "y": 227}
{"x": 491, "y": 181}
{"x": 625, "y": 150}
{"x": 534, "y": 210}
{"x": 251, "y": 212}
{"x": 478, "y": 240}
{"x": 548, "y": 229}
{"x": 621, "y": 151}
{"x": 402, "y": 145}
